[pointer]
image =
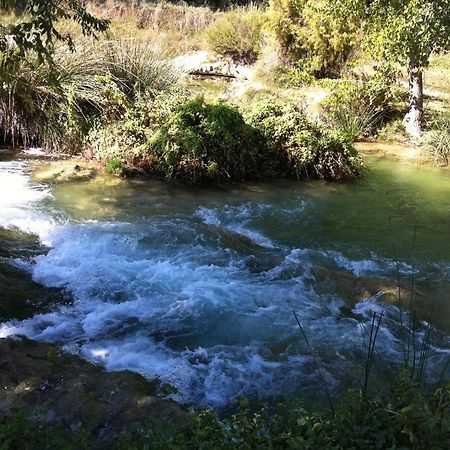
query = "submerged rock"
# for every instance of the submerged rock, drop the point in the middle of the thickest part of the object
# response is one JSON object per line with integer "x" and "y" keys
{"x": 65, "y": 171}
{"x": 21, "y": 297}
{"x": 17, "y": 244}
{"x": 355, "y": 289}
{"x": 233, "y": 239}
{"x": 51, "y": 386}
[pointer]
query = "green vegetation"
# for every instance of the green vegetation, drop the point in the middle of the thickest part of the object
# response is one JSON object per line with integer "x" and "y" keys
{"x": 403, "y": 417}
{"x": 102, "y": 81}
{"x": 407, "y": 33}
{"x": 357, "y": 106}
{"x": 55, "y": 105}
{"x": 61, "y": 99}
{"x": 306, "y": 149}
{"x": 237, "y": 33}
{"x": 314, "y": 35}
{"x": 36, "y": 31}
{"x": 190, "y": 139}
{"x": 436, "y": 143}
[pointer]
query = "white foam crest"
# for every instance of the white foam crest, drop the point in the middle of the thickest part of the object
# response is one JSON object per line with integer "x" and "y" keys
{"x": 237, "y": 219}
{"x": 376, "y": 265}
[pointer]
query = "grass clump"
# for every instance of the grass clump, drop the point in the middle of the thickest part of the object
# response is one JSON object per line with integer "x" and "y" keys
{"x": 356, "y": 107}
{"x": 55, "y": 105}
{"x": 298, "y": 146}
{"x": 238, "y": 34}
{"x": 436, "y": 142}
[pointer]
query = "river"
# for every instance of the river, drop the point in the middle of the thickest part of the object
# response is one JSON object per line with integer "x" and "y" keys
{"x": 197, "y": 287}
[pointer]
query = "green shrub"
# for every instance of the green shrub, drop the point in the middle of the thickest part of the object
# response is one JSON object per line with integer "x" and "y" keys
{"x": 114, "y": 165}
{"x": 436, "y": 142}
{"x": 299, "y": 147}
{"x": 356, "y": 107}
{"x": 178, "y": 137}
{"x": 206, "y": 142}
{"x": 187, "y": 138}
{"x": 314, "y": 34}
{"x": 287, "y": 76}
{"x": 238, "y": 34}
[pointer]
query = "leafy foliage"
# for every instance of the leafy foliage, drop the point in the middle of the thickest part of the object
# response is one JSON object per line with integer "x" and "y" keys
{"x": 408, "y": 32}
{"x": 403, "y": 417}
{"x": 237, "y": 33}
{"x": 190, "y": 140}
{"x": 314, "y": 34}
{"x": 301, "y": 147}
{"x": 37, "y": 31}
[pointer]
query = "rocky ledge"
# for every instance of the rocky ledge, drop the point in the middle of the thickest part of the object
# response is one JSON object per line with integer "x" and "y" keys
{"x": 54, "y": 386}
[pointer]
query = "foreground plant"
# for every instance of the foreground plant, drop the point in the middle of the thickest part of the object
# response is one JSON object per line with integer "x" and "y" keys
{"x": 401, "y": 418}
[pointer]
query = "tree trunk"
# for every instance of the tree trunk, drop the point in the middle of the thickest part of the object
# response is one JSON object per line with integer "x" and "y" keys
{"x": 414, "y": 118}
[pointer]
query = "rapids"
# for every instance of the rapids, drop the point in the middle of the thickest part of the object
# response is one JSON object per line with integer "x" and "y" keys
{"x": 198, "y": 287}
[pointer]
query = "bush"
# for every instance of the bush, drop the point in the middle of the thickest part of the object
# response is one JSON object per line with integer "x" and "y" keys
{"x": 356, "y": 106}
{"x": 436, "y": 143}
{"x": 288, "y": 76}
{"x": 186, "y": 139}
{"x": 206, "y": 142}
{"x": 314, "y": 33}
{"x": 178, "y": 137}
{"x": 238, "y": 34}
{"x": 299, "y": 147}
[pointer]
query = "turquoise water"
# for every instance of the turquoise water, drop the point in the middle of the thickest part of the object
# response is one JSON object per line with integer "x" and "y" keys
{"x": 197, "y": 287}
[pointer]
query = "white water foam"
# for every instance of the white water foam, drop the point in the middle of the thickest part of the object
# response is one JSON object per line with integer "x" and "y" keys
{"x": 237, "y": 219}
{"x": 19, "y": 199}
{"x": 162, "y": 298}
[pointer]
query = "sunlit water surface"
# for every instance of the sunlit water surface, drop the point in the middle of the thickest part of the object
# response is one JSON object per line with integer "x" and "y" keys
{"x": 197, "y": 286}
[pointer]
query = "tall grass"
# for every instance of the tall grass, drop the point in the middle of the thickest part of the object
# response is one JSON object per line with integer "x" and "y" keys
{"x": 53, "y": 105}
{"x": 352, "y": 123}
{"x": 436, "y": 143}
{"x": 181, "y": 26}
{"x": 37, "y": 99}
{"x": 138, "y": 66}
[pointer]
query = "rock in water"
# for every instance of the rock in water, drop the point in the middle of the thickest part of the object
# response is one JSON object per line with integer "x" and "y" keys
{"x": 51, "y": 385}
